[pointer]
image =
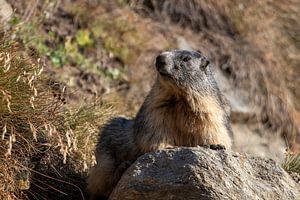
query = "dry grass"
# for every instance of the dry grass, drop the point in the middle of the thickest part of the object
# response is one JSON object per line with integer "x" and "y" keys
{"x": 28, "y": 113}
{"x": 292, "y": 166}
{"x": 292, "y": 163}
{"x": 38, "y": 131}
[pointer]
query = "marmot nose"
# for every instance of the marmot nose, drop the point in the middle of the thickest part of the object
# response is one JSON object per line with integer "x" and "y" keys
{"x": 161, "y": 62}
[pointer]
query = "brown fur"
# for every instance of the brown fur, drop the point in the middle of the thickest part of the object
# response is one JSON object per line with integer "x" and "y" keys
{"x": 193, "y": 120}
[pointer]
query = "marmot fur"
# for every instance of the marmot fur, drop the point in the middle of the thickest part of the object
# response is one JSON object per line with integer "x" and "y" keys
{"x": 184, "y": 108}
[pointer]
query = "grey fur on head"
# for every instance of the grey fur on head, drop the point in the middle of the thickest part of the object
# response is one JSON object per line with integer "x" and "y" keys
{"x": 185, "y": 69}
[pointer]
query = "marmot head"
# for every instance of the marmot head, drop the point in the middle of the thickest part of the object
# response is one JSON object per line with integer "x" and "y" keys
{"x": 185, "y": 70}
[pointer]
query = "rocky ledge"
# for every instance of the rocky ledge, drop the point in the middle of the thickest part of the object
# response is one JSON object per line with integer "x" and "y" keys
{"x": 202, "y": 173}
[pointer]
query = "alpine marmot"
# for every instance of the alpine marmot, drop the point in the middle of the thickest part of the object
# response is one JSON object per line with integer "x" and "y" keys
{"x": 184, "y": 108}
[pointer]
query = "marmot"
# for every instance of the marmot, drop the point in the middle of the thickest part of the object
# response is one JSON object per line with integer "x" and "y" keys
{"x": 184, "y": 108}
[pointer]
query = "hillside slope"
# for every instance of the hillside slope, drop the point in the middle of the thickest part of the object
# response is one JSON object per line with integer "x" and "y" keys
{"x": 106, "y": 49}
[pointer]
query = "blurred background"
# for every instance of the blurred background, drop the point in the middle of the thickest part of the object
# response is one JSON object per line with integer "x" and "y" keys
{"x": 103, "y": 51}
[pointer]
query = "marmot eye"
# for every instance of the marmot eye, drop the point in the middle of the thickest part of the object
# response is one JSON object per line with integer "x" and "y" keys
{"x": 186, "y": 58}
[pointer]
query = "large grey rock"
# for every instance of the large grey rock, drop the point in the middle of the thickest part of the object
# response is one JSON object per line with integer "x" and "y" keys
{"x": 200, "y": 173}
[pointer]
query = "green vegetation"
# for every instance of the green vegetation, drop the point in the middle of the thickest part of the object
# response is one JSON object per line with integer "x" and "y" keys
{"x": 118, "y": 37}
{"x": 292, "y": 163}
{"x": 70, "y": 52}
{"x": 83, "y": 38}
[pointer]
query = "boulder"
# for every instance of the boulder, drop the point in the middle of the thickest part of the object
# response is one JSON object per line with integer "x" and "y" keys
{"x": 202, "y": 173}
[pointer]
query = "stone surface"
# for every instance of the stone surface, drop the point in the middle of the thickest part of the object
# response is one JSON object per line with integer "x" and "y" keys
{"x": 200, "y": 173}
{"x": 249, "y": 139}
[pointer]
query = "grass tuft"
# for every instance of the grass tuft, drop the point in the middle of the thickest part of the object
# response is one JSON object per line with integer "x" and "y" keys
{"x": 292, "y": 164}
{"x": 43, "y": 142}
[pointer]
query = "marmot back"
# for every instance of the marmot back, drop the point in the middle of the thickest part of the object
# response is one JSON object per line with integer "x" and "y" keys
{"x": 184, "y": 108}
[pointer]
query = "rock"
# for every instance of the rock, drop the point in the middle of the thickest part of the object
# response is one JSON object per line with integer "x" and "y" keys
{"x": 241, "y": 107}
{"x": 251, "y": 140}
{"x": 6, "y": 12}
{"x": 200, "y": 173}
{"x": 182, "y": 43}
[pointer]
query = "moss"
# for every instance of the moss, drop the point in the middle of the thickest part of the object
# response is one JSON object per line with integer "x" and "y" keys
{"x": 58, "y": 56}
{"x": 119, "y": 37}
{"x": 83, "y": 38}
{"x": 114, "y": 73}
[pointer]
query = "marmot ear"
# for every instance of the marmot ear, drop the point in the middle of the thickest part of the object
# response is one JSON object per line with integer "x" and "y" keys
{"x": 198, "y": 51}
{"x": 204, "y": 64}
